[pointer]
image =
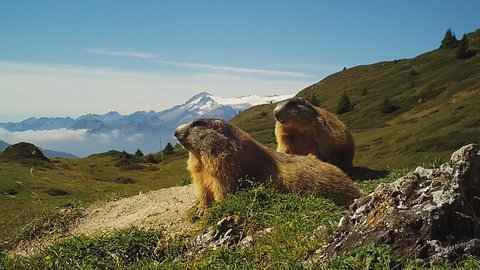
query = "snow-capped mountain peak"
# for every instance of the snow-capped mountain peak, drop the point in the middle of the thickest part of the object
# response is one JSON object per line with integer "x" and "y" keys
{"x": 206, "y": 105}
{"x": 251, "y": 100}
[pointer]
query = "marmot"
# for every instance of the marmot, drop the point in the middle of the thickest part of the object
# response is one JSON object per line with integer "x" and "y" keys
{"x": 303, "y": 129}
{"x": 221, "y": 155}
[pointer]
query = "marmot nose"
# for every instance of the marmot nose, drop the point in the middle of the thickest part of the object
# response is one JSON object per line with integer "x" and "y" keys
{"x": 178, "y": 130}
{"x": 276, "y": 113}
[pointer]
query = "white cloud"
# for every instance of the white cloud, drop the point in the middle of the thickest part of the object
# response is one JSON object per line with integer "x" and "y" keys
{"x": 236, "y": 69}
{"x": 133, "y": 138}
{"x": 43, "y": 136}
{"x": 121, "y": 53}
{"x": 200, "y": 66}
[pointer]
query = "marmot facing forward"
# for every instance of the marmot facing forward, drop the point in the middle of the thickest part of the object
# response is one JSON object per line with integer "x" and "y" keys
{"x": 221, "y": 154}
{"x": 303, "y": 129}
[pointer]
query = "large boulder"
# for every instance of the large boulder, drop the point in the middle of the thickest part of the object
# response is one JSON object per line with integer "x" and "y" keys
{"x": 429, "y": 214}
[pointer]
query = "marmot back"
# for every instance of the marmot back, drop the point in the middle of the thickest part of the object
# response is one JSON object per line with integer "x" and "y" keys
{"x": 303, "y": 129}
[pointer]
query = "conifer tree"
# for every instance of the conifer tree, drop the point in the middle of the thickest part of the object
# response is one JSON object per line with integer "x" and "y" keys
{"x": 139, "y": 153}
{"x": 344, "y": 105}
{"x": 449, "y": 41}
{"x": 314, "y": 100}
{"x": 168, "y": 150}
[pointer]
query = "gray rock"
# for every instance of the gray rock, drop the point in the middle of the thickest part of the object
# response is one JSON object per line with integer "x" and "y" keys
{"x": 227, "y": 233}
{"x": 428, "y": 214}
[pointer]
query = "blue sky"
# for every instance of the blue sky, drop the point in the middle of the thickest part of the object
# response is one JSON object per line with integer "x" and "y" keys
{"x": 68, "y": 58}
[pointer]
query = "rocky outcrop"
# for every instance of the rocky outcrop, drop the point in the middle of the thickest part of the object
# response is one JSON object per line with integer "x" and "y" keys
{"x": 428, "y": 214}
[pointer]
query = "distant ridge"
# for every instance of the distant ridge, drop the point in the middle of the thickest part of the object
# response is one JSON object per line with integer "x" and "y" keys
{"x": 3, "y": 145}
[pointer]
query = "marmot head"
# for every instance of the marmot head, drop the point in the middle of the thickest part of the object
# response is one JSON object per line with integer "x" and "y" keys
{"x": 295, "y": 111}
{"x": 208, "y": 136}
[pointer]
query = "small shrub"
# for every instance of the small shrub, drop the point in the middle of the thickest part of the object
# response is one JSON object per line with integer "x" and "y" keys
{"x": 413, "y": 72}
{"x": 129, "y": 162}
{"x": 314, "y": 100}
{"x": 185, "y": 181}
{"x": 168, "y": 150}
{"x": 139, "y": 153}
{"x": 124, "y": 180}
{"x": 463, "y": 51}
{"x": 344, "y": 105}
{"x": 56, "y": 192}
{"x": 387, "y": 106}
{"x": 150, "y": 158}
{"x": 437, "y": 162}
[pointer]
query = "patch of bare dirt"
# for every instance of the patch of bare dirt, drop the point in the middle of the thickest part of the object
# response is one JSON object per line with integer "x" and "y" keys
{"x": 161, "y": 208}
{"x": 165, "y": 208}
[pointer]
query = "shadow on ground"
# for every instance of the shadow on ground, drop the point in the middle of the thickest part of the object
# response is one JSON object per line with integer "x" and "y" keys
{"x": 359, "y": 174}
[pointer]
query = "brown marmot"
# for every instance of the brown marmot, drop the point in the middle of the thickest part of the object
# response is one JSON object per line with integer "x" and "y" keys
{"x": 303, "y": 129}
{"x": 221, "y": 155}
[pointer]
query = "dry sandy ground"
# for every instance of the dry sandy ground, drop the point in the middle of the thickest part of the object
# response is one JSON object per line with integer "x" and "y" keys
{"x": 165, "y": 208}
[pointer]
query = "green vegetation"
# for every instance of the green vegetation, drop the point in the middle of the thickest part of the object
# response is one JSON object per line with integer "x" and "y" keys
{"x": 287, "y": 229}
{"x": 25, "y": 153}
{"x": 463, "y": 51}
{"x": 387, "y": 106}
{"x": 120, "y": 249}
{"x": 168, "y": 150}
{"x": 344, "y": 105}
{"x": 437, "y": 109}
{"x": 139, "y": 153}
{"x": 314, "y": 100}
{"x": 185, "y": 181}
{"x": 28, "y": 190}
{"x": 449, "y": 41}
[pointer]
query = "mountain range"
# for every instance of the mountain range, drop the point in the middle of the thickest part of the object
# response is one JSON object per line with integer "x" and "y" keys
{"x": 146, "y": 130}
{"x": 201, "y": 105}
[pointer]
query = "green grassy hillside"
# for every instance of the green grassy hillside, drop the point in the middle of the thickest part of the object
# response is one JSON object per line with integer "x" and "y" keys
{"x": 437, "y": 101}
{"x": 26, "y": 191}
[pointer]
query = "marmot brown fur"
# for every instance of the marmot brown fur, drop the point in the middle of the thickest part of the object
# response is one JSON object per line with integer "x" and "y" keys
{"x": 303, "y": 129}
{"x": 220, "y": 155}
